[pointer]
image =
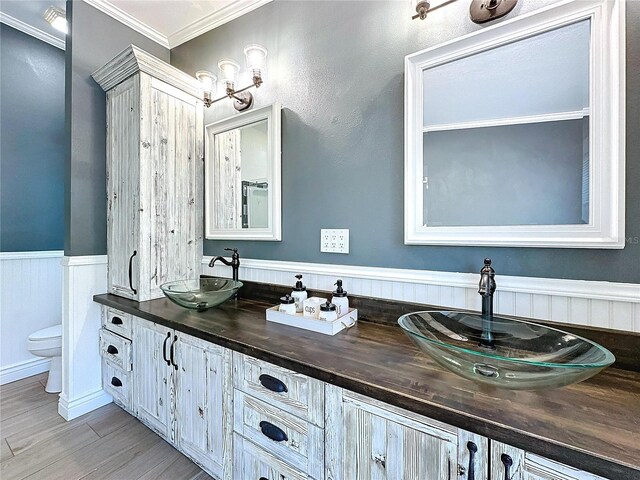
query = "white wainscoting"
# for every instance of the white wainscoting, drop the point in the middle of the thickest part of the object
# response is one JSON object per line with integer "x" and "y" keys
{"x": 578, "y": 302}
{"x": 30, "y": 300}
{"x": 83, "y": 277}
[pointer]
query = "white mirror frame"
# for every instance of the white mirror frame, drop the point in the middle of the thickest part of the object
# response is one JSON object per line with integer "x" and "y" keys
{"x": 272, "y": 114}
{"x": 606, "y": 139}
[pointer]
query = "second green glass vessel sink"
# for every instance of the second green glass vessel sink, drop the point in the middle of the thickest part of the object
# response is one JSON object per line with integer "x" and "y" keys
{"x": 200, "y": 293}
{"x": 526, "y": 355}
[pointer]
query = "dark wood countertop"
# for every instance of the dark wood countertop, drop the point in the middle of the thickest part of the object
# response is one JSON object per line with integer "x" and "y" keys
{"x": 593, "y": 425}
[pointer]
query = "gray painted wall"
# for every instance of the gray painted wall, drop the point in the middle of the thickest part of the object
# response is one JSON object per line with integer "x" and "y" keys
{"x": 337, "y": 67}
{"x": 32, "y": 143}
{"x": 95, "y": 39}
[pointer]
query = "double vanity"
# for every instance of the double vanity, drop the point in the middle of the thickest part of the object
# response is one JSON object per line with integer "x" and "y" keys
{"x": 245, "y": 399}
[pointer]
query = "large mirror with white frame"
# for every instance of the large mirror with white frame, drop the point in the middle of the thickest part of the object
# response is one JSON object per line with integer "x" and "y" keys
{"x": 242, "y": 176}
{"x": 515, "y": 133}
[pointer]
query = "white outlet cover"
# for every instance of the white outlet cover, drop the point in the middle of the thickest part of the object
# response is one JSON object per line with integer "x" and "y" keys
{"x": 334, "y": 240}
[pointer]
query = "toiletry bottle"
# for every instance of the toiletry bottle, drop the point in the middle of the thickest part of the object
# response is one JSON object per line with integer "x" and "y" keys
{"x": 328, "y": 312}
{"x": 287, "y": 304}
{"x": 299, "y": 293}
{"x": 340, "y": 299}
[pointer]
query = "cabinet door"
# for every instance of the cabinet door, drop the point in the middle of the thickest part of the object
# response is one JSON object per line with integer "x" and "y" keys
{"x": 510, "y": 463}
{"x": 172, "y": 159}
{"x": 153, "y": 378}
{"x": 204, "y": 404}
{"x": 123, "y": 182}
{"x": 366, "y": 439}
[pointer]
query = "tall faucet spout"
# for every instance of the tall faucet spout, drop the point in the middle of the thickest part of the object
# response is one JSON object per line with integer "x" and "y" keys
{"x": 486, "y": 288}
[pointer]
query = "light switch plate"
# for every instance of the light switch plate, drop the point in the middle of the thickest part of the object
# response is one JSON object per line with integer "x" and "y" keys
{"x": 334, "y": 240}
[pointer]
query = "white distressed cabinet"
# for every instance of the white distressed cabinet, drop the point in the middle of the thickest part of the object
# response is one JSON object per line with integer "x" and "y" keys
{"x": 204, "y": 404}
{"x": 154, "y": 174}
{"x": 510, "y": 463}
{"x": 154, "y": 384}
{"x": 242, "y": 418}
{"x": 367, "y": 439}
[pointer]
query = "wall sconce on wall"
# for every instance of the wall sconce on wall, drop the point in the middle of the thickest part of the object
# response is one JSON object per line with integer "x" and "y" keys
{"x": 256, "y": 56}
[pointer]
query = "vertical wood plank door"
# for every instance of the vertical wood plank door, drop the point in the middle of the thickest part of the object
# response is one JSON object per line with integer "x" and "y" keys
{"x": 204, "y": 404}
{"x": 153, "y": 379}
{"x": 123, "y": 182}
{"x": 176, "y": 167}
{"x": 511, "y": 463}
{"x": 367, "y": 441}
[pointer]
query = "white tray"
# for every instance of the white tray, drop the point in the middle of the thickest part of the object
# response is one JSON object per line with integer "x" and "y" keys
{"x": 322, "y": 326}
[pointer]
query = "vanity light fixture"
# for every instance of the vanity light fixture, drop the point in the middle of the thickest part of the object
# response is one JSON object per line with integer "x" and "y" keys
{"x": 480, "y": 11}
{"x": 56, "y": 18}
{"x": 255, "y": 55}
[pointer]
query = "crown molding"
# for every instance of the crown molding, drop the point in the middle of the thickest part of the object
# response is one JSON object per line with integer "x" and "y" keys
{"x": 130, "y": 21}
{"x": 33, "y": 31}
{"x": 203, "y": 25}
{"x": 214, "y": 20}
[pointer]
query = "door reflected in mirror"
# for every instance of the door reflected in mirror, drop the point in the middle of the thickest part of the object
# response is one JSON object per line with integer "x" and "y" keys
{"x": 243, "y": 176}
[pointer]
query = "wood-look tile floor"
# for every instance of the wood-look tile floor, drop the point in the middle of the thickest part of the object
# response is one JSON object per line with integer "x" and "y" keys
{"x": 107, "y": 443}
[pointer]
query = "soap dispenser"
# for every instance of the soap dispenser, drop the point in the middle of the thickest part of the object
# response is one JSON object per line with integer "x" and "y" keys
{"x": 340, "y": 299}
{"x": 299, "y": 293}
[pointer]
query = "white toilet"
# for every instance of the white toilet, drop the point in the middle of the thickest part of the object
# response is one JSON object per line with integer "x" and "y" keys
{"x": 48, "y": 343}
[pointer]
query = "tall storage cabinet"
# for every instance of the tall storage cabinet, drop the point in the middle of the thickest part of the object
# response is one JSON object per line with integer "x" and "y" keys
{"x": 154, "y": 174}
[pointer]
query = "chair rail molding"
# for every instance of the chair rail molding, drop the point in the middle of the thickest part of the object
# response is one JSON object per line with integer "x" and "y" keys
{"x": 579, "y": 302}
{"x": 83, "y": 277}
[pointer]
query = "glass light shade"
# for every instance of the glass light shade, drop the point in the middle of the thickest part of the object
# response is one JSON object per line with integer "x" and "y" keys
{"x": 228, "y": 70}
{"x": 256, "y": 56}
{"x": 207, "y": 79}
{"x": 56, "y": 18}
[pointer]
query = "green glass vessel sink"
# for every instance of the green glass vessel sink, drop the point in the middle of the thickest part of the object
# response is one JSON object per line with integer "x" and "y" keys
{"x": 526, "y": 355}
{"x": 200, "y": 293}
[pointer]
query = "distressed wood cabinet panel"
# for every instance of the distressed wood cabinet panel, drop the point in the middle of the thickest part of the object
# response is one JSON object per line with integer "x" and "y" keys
{"x": 123, "y": 186}
{"x": 117, "y": 383}
{"x": 510, "y": 463}
{"x": 117, "y": 322}
{"x": 303, "y": 447}
{"x": 116, "y": 349}
{"x": 154, "y": 185}
{"x": 175, "y": 215}
{"x": 252, "y": 462}
{"x": 153, "y": 378}
{"x": 303, "y": 396}
{"x": 204, "y": 404}
{"x": 473, "y": 456}
{"x": 366, "y": 440}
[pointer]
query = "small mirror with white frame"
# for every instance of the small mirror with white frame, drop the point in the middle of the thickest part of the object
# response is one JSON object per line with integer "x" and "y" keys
{"x": 514, "y": 135}
{"x": 243, "y": 176}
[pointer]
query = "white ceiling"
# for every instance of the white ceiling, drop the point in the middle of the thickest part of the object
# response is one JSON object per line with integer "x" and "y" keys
{"x": 168, "y": 22}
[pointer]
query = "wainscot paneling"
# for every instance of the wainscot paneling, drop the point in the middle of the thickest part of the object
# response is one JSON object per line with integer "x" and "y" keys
{"x": 83, "y": 277}
{"x": 578, "y": 302}
{"x": 30, "y": 300}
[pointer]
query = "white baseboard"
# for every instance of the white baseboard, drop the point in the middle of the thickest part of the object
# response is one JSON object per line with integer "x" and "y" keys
{"x": 20, "y": 370}
{"x": 592, "y": 303}
{"x": 85, "y": 404}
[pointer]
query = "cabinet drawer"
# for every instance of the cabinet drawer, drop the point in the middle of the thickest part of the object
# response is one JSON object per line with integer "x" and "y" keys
{"x": 289, "y": 438}
{"x": 251, "y": 462}
{"x": 117, "y": 322}
{"x": 292, "y": 392}
{"x": 117, "y": 383}
{"x": 116, "y": 349}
